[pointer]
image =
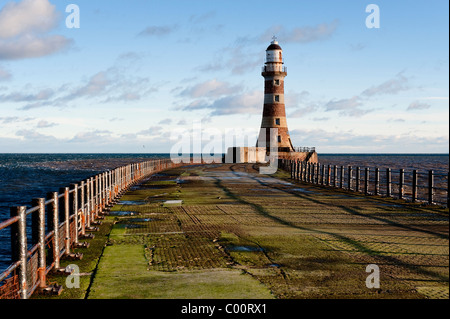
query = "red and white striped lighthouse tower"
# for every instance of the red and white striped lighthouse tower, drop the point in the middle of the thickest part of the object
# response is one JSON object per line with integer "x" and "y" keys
{"x": 274, "y": 113}
{"x": 270, "y": 146}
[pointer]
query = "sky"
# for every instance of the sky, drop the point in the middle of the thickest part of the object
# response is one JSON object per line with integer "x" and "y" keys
{"x": 138, "y": 76}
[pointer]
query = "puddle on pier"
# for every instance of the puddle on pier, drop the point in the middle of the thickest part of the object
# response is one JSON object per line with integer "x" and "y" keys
{"x": 131, "y": 202}
{"x": 159, "y": 195}
{"x": 122, "y": 213}
{"x": 141, "y": 220}
{"x": 173, "y": 203}
{"x": 245, "y": 248}
{"x": 129, "y": 226}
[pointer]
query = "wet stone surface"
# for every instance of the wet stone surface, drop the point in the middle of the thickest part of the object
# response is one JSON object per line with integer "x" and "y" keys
{"x": 122, "y": 213}
{"x": 131, "y": 203}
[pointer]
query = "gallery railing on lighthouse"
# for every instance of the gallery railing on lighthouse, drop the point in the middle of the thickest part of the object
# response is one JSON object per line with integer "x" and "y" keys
{"x": 56, "y": 225}
{"x": 274, "y": 68}
{"x": 430, "y": 187}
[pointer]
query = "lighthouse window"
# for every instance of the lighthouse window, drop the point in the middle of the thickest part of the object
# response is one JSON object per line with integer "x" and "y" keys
{"x": 277, "y": 98}
{"x": 277, "y": 121}
{"x": 276, "y": 82}
{"x": 279, "y": 138}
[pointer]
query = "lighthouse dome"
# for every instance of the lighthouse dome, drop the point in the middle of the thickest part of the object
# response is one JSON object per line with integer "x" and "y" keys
{"x": 274, "y": 53}
{"x": 273, "y": 46}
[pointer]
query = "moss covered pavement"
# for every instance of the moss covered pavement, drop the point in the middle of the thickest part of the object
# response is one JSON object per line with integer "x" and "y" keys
{"x": 225, "y": 231}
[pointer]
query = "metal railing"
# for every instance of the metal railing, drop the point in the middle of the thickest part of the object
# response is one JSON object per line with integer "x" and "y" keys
{"x": 429, "y": 187}
{"x": 59, "y": 221}
{"x": 274, "y": 68}
{"x": 305, "y": 149}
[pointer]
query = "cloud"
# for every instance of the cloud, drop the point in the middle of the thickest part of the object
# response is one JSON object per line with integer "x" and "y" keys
{"x": 45, "y": 124}
{"x": 34, "y": 136}
{"x": 108, "y": 86}
{"x": 357, "y": 46}
{"x": 347, "y": 107}
{"x": 165, "y": 122}
{"x": 4, "y": 75}
{"x": 43, "y": 94}
{"x": 320, "y": 119}
{"x": 302, "y": 34}
{"x": 300, "y": 112}
{"x": 195, "y": 18}
{"x": 158, "y": 30}
{"x": 151, "y": 131}
{"x": 237, "y": 59}
{"x": 98, "y": 136}
{"x": 32, "y": 47}
{"x": 97, "y": 84}
{"x": 416, "y": 105}
{"x": 393, "y": 86}
{"x": 14, "y": 119}
{"x": 23, "y": 30}
{"x": 396, "y": 120}
{"x": 244, "y": 103}
{"x": 212, "y": 88}
{"x": 27, "y": 16}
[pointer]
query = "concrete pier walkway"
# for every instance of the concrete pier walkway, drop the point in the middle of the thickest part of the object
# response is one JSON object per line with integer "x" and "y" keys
{"x": 225, "y": 231}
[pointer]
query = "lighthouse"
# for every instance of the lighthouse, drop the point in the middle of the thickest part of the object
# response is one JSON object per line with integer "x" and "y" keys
{"x": 274, "y": 112}
{"x": 273, "y": 139}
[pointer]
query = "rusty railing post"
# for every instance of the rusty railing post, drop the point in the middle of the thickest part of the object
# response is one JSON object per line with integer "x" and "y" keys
{"x": 341, "y": 182}
{"x": 358, "y": 178}
{"x": 92, "y": 199}
{"x": 377, "y": 181}
{"x": 448, "y": 190}
{"x": 388, "y": 182}
{"x": 401, "y": 182}
{"x": 414, "y": 186}
{"x": 335, "y": 174}
{"x": 75, "y": 212}
{"x": 83, "y": 213}
{"x": 316, "y": 173}
{"x": 65, "y": 191}
{"x": 366, "y": 181}
{"x": 38, "y": 225}
{"x": 53, "y": 221}
{"x": 430, "y": 187}
{"x": 88, "y": 204}
{"x": 322, "y": 177}
{"x": 349, "y": 182}
{"x": 19, "y": 249}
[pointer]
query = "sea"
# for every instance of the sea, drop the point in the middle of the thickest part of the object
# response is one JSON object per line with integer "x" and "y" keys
{"x": 27, "y": 176}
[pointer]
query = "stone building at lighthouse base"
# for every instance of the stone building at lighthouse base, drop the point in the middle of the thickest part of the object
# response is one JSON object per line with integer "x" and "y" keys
{"x": 260, "y": 155}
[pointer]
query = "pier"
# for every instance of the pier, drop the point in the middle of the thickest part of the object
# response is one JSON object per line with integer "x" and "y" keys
{"x": 218, "y": 231}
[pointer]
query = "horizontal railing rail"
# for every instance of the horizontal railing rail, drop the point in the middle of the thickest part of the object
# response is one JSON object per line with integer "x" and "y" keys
{"x": 431, "y": 187}
{"x": 274, "y": 68}
{"x": 305, "y": 149}
{"x": 59, "y": 222}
